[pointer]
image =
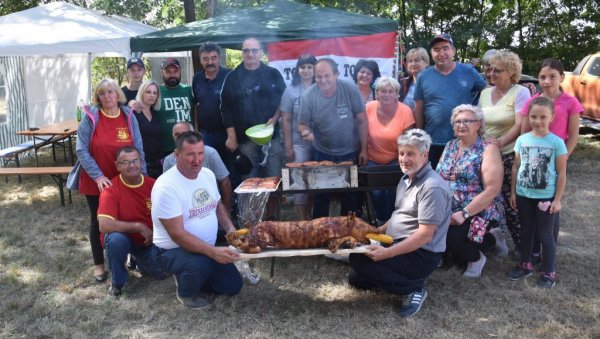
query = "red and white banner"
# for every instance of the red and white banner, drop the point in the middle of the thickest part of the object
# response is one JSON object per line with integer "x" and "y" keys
{"x": 345, "y": 51}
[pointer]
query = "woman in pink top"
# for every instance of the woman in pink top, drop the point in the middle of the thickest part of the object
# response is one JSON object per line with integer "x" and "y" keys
{"x": 566, "y": 107}
{"x": 387, "y": 119}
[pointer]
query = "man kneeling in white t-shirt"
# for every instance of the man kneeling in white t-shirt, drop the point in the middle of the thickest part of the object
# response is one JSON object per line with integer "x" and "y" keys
{"x": 186, "y": 212}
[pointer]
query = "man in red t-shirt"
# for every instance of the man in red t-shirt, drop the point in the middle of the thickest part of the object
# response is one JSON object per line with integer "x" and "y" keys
{"x": 125, "y": 221}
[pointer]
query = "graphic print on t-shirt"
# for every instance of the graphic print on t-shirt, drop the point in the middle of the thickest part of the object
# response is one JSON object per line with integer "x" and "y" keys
{"x": 343, "y": 110}
{"x": 122, "y": 134}
{"x": 203, "y": 204}
{"x": 181, "y": 106}
{"x": 535, "y": 167}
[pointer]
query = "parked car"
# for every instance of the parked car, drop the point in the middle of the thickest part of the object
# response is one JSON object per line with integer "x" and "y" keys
{"x": 584, "y": 84}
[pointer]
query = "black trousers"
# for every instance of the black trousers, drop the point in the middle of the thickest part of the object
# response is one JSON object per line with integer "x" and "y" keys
{"x": 462, "y": 247}
{"x": 402, "y": 274}
{"x": 97, "y": 253}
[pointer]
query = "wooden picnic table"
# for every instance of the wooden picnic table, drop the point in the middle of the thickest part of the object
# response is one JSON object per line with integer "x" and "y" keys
{"x": 52, "y": 134}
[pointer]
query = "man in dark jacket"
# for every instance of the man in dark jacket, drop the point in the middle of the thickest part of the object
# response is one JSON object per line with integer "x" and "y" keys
{"x": 250, "y": 96}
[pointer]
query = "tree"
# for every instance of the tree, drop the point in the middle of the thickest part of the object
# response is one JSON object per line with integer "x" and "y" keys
{"x": 535, "y": 29}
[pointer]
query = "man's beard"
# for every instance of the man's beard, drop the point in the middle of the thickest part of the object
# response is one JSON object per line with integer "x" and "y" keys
{"x": 171, "y": 82}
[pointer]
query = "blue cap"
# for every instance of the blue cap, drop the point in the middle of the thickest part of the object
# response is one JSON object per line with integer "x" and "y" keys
{"x": 135, "y": 61}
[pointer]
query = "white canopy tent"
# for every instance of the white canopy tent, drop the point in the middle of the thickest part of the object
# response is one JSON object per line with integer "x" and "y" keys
{"x": 55, "y": 44}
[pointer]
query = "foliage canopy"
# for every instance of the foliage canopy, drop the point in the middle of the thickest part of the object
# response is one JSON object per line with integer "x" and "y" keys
{"x": 535, "y": 29}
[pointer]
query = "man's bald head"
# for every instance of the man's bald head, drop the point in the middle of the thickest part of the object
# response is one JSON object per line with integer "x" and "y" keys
{"x": 181, "y": 127}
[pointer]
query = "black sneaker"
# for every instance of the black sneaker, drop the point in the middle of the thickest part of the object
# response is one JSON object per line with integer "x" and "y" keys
{"x": 521, "y": 271}
{"x": 547, "y": 280}
{"x": 412, "y": 303}
{"x": 115, "y": 291}
{"x": 194, "y": 301}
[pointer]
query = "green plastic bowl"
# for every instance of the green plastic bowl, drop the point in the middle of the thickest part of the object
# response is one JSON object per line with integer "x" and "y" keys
{"x": 260, "y": 134}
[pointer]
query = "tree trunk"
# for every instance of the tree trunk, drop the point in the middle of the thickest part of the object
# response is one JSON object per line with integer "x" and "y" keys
{"x": 189, "y": 8}
{"x": 520, "y": 26}
{"x": 480, "y": 33}
{"x": 211, "y": 8}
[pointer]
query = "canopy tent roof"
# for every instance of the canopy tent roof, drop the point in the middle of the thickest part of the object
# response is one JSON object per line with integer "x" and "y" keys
{"x": 60, "y": 28}
{"x": 277, "y": 21}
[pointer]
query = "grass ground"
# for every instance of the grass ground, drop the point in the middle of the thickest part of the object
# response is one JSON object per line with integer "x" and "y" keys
{"x": 46, "y": 286}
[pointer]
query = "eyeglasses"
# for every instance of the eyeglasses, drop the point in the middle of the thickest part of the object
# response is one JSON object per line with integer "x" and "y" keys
{"x": 250, "y": 50}
{"x": 126, "y": 163}
{"x": 411, "y": 61}
{"x": 494, "y": 70}
{"x": 463, "y": 122}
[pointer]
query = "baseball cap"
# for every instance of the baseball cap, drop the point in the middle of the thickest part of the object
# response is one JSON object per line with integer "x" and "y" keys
{"x": 135, "y": 61}
{"x": 170, "y": 62}
{"x": 441, "y": 37}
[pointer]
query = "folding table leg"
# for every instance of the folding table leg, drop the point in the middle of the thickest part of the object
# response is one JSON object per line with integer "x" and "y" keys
{"x": 18, "y": 165}
{"x": 278, "y": 218}
{"x": 58, "y": 179}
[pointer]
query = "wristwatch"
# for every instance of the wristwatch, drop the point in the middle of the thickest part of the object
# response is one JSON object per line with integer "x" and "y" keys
{"x": 465, "y": 213}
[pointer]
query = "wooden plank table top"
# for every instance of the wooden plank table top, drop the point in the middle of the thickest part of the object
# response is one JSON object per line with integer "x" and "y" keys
{"x": 65, "y": 128}
{"x": 35, "y": 170}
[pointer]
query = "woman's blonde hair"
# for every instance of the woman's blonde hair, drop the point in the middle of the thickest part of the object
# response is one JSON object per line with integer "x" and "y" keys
{"x": 510, "y": 62}
{"x": 104, "y": 84}
{"x": 419, "y": 52}
{"x": 143, "y": 88}
{"x": 387, "y": 80}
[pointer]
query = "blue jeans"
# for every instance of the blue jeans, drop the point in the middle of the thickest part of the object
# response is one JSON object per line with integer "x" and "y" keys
{"x": 117, "y": 245}
{"x": 254, "y": 153}
{"x": 383, "y": 200}
{"x": 196, "y": 272}
{"x": 321, "y": 201}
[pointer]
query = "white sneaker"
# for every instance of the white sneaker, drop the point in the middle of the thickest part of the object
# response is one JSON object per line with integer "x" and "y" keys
{"x": 501, "y": 246}
{"x": 474, "y": 268}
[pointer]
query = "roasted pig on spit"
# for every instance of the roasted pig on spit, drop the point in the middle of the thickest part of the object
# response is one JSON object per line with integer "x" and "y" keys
{"x": 330, "y": 232}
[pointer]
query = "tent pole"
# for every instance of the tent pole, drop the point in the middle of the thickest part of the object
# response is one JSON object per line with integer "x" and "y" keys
{"x": 89, "y": 84}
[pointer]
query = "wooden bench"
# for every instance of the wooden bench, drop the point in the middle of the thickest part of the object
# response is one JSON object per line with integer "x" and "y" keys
{"x": 59, "y": 174}
{"x": 13, "y": 152}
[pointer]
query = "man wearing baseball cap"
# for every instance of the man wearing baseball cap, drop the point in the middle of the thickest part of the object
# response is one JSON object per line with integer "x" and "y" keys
{"x": 177, "y": 103}
{"x": 441, "y": 88}
{"x": 135, "y": 72}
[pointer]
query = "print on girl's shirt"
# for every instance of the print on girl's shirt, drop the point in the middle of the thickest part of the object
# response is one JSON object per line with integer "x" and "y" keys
{"x": 535, "y": 172}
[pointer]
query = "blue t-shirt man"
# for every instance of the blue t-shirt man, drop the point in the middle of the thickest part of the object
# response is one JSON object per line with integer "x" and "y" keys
{"x": 441, "y": 93}
{"x": 441, "y": 88}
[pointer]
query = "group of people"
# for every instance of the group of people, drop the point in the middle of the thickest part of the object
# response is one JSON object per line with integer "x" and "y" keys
{"x": 480, "y": 155}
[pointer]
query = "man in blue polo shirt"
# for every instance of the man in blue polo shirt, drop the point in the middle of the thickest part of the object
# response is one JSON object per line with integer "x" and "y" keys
{"x": 441, "y": 88}
{"x": 206, "y": 86}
